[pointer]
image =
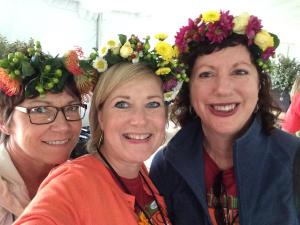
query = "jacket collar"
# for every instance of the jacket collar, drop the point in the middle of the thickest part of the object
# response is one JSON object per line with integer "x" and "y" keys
{"x": 185, "y": 153}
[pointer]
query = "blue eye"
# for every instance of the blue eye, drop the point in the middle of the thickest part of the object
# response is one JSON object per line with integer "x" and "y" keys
{"x": 121, "y": 105}
{"x": 153, "y": 104}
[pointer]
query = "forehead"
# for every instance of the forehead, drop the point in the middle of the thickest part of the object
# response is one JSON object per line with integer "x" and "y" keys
{"x": 61, "y": 98}
{"x": 226, "y": 55}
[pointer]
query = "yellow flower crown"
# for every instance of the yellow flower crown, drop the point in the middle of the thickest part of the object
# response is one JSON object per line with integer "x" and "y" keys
{"x": 162, "y": 59}
{"x": 36, "y": 72}
{"x": 214, "y": 27}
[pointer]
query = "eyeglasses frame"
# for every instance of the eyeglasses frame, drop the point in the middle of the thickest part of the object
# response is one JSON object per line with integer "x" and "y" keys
{"x": 28, "y": 109}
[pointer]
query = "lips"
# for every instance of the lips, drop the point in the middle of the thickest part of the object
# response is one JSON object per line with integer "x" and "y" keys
{"x": 56, "y": 142}
{"x": 137, "y": 137}
{"x": 224, "y": 110}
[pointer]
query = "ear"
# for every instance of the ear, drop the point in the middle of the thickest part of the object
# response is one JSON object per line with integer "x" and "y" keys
{"x": 4, "y": 129}
{"x": 100, "y": 119}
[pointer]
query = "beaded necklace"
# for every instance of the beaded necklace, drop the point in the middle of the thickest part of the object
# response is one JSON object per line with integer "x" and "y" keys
{"x": 125, "y": 189}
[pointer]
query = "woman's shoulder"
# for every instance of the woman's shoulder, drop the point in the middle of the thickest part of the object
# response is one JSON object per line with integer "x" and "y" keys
{"x": 76, "y": 170}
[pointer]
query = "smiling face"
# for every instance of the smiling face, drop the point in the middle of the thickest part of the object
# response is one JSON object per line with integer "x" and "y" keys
{"x": 224, "y": 90}
{"x": 133, "y": 120}
{"x": 51, "y": 143}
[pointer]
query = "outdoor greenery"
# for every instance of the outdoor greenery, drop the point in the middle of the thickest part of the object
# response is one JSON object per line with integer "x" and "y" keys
{"x": 284, "y": 73}
{"x": 7, "y": 47}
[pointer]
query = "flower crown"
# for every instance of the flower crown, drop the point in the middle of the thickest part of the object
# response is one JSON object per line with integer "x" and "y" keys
{"x": 214, "y": 27}
{"x": 162, "y": 59}
{"x": 38, "y": 72}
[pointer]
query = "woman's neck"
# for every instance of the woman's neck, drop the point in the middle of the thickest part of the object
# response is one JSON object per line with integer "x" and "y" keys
{"x": 32, "y": 172}
{"x": 219, "y": 148}
{"x": 123, "y": 168}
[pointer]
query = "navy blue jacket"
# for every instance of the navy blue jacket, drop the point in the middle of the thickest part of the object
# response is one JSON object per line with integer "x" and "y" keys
{"x": 263, "y": 171}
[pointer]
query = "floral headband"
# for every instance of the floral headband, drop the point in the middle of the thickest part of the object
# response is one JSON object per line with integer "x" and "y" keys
{"x": 162, "y": 59}
{"x": 214, "y": 27}
{"x": 39, "y": 72}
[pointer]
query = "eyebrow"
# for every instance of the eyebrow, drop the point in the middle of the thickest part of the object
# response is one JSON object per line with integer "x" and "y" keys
{"x": 127, "y": 97}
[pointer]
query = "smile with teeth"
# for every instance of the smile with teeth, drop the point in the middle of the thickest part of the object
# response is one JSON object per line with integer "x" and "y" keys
{"x": 224, "y": 108}
{"x": 137, "y": 136}
{"x": 57, "y": 142}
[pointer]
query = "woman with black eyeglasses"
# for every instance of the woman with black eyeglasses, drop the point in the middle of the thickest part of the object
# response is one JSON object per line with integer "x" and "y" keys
{"x": 40, "y": 120}
{"x": 228, "y": 165}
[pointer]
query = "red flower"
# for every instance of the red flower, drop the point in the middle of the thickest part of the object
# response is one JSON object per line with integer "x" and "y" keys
{"x": 72, "y": 62}
{"x": 9, "y": 86}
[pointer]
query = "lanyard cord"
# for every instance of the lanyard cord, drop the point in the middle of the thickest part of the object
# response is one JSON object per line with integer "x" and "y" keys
{"x": 136, "y": 204}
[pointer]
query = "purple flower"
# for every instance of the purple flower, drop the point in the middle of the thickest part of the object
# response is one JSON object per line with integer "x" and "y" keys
{"x": 270, "y": 51}
{"x": 254, "y": 25}
{"x": 169, "y": 85}
{"x": 183, "y": 34}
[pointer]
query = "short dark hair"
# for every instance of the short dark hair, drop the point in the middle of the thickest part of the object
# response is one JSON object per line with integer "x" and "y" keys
{"x": 181, "y": 112}
{"x": 8, "y": 103}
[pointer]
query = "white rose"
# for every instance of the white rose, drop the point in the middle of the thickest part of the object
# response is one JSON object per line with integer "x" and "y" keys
{"x": 241, "y": 23}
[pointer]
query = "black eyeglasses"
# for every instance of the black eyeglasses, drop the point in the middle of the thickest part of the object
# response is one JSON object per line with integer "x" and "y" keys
{"x": 222, "y": 211}
{"x": 47, "y": 114}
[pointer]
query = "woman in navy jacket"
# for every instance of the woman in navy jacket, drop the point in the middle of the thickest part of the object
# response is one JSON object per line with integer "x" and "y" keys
{"x": 228, "y": 164}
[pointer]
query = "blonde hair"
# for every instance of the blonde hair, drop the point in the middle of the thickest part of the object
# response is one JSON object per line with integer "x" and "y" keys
{"x": 296, "y": 87}
{"x": 111, "y": 79}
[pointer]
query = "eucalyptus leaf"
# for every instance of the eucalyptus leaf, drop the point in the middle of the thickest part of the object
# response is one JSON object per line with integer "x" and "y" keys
{"x": 27, "y": 69}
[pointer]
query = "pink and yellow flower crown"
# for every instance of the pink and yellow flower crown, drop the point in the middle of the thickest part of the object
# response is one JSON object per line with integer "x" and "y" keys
{"x": 39, "y": 73}
{"x": 213, "y": 27}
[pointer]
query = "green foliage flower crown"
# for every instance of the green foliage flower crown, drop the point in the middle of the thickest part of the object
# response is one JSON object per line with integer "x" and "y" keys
{"x": 38, "y": 72}
{"x": 214, "y": 27}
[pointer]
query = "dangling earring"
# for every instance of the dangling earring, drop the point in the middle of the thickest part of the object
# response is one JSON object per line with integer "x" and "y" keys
{"x": 101, "y": 139}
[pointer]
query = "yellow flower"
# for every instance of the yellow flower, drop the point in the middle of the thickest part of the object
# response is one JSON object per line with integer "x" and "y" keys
{"x": 100, "y": 64}
{"x": 240, "y": 23}
{"x": 114, "y": 46}
{"x": 163, "y": 71}
{"x": 165, "y": 50}
{"x": 263, "y": 40}
{"x": 176, "y": 51}
{"x": 161, "y": 36}
{"x": 211, "y": 16}
{"x": 103, "y": 51}
{"x": 126, "y": 50}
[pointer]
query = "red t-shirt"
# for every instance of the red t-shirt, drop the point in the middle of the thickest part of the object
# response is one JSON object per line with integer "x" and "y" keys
{"x": 291, "y": 122}
{"x": 230, "y": 200}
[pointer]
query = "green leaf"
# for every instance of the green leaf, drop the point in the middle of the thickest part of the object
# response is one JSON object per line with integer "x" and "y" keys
{"x": 30, "y": 90}
{"x": 276, "y": 40}
{"x": 122, "y": 38}
{"x": 27, "y": 69}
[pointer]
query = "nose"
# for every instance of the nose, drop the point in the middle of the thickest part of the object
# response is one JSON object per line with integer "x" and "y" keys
{"x": 60, "y": 123}
{"x": 138, "y": 117}
{"x": 223, "y": 85}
